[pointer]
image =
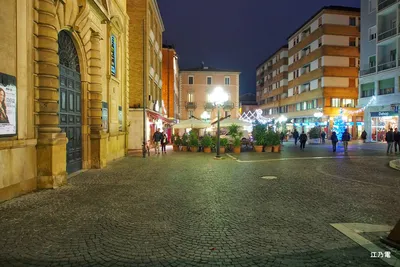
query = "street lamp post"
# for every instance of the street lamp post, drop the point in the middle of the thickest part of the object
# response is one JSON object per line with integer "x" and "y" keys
{"x": 219, "y": 97}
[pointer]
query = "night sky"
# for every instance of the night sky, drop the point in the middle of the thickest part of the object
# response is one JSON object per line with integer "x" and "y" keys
{"x": 235, "y": 34}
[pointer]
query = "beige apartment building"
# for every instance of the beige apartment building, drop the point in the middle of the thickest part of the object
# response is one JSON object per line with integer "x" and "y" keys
{"x": 196, "y": 86}
{"x": 145, "y": 71}
{"x": 272, "y": 82}
{"x": 323, "y": 69}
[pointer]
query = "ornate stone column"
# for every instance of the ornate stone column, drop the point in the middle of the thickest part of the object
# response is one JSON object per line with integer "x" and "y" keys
{"x": 51, "y": 144}
{"x": 98, "y": 141}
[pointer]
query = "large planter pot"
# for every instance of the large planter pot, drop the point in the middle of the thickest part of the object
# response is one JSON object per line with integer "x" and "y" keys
{"x": 258, "y": 148}
{"x": 222, "y": 150}
{"x": 236, "y": 150}
{"x": 207, "y": 149}
{"x": 184, "y": 148}
{"x": 314, "y": 141}
{"x": 194, "y": 148}
{"x": 268, "y": 149}
{"x": 175, "y": 148}
{"x": 277, "y": 148}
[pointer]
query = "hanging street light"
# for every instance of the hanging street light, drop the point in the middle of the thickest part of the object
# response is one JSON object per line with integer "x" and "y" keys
{"x": 218, "y": 97}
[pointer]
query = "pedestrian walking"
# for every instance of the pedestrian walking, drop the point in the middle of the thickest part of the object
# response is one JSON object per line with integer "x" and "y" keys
{"x": 364, "y": 136}
{"x": 323, "y": 135}
{"x": 345, "y": 139}
{"x": 303, "y": 140}
{"x": 295, "y": 136}
{"x": 157, "y": 137}
{"x": 390, "y": 140}
{"x": 164, "y": 142}
{"x": 396, "y": 140}
{"x": 334, "y": 140}
{"x": 282, "y": 137}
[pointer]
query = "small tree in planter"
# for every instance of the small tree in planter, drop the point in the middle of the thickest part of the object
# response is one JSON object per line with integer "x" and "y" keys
{"x": 269, "y": 141}
{"x": 223, "y": 143}
{"x": 314, "y": 135}
{"x": 193, "y": 141}
{"x": 259, "y": 134}
{"x": 234, "y": 131}
{"x": 276, "y": 142}
{"x": 206, "y": 143}
{"x": 185, "y": 142}
{"x": 176, "y": 139}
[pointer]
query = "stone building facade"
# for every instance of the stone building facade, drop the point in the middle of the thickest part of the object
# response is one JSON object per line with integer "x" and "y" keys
{"x": 170, "y": 74}
{"x": 145, "y": 74}
{"x": 63, "y": 67}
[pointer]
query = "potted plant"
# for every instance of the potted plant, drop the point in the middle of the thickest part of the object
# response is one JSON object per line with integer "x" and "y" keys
{"x": 206, "y": 143}
{"x": 176, "y": 142}
{"x": 185, "y": 142}
{"x": 237, "y": 141}
{"x": 193, "y": 141}
{"x": 259, "y": 134}
{"x": 314, "y": 133}
{"x": 276, "y": 142}
{"x": 269, "y": 140}
{"x": 223, "y": 143}
{"x": 236, "y": 134}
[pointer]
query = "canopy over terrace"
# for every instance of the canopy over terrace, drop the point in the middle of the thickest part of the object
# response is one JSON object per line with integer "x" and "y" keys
{"x": 229, "y": 121}
{"x": 192, "y": 123}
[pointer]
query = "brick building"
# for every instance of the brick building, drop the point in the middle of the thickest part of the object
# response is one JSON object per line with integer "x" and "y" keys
{"x": 170, "y": 86}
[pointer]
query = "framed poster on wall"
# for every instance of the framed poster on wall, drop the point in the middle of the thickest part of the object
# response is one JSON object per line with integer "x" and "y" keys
{"x": 104, "y": 115}
{"x": 120, "y": 118}
{"x": 8, "y": 105}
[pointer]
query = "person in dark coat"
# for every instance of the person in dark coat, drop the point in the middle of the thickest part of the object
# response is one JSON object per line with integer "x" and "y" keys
{"x": 303, "y": 139}
{"x": 364, "y": 136}
{"x": 295, "y": 136}
{"x": 334, "y": 140}
{"x": 396, "y": 140}
{"x": 390, "y": 140}
{"x": 164, "y": 142}
{"x": 345, "y": 139}
{"x": 323, "y": 135}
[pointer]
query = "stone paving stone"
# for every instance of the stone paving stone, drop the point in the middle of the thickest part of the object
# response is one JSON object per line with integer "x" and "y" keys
{"x": 186, "y": 209}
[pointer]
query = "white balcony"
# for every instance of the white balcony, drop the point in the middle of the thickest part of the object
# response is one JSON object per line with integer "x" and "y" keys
{"x": 152, "y": 37}
{"x": 157, "y": 47}
{"x": 151, "y": 72}
{"x": 156, "y": 78}
{"x": 160, "y": 83}
{"x": 160, "y": 55}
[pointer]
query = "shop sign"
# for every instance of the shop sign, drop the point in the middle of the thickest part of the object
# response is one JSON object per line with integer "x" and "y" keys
{"x": 360, "y": 123}
{"x": 8, "y": 105}
{"x": 104, "y": 115}
{"x": 113, "y": 55}
{"x": 383, "y": 114}
{"x": 349, "y": 123}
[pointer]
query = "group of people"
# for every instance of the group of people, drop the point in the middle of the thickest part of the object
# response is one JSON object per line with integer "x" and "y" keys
{"x": 346, "y": 137}
{"x": 393, "y": 139}
{"x": 159, "y": 139}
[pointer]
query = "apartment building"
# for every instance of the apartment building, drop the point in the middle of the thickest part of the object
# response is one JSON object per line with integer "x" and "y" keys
{"x": 323, "y": 70}
{"x": 145, "y": 70}
{"x": 380, "y": 66}
{"x": 170, "y": 86}
{"x": 272, "y": 82}
{"x": 197, "y": 84}
{"x": 247, "y": 103}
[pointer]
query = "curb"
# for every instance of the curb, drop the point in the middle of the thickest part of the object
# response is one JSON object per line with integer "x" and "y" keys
{"x": 395, "y": 164}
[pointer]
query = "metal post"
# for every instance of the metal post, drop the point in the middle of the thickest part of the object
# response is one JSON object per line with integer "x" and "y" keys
{"x": 144, "y": 90}
{"x": 218, "y": 134}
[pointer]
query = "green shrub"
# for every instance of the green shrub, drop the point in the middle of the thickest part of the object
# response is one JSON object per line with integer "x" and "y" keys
{"x": 185, "y": 139}
{"x": 314, "y": 133}
{"x": 193, "y": 139}
{"x": 260, "y": 134}
{"x": 177, "y": 140}
{"x": 223, "y": 142}
{"x": 206, "y": 141}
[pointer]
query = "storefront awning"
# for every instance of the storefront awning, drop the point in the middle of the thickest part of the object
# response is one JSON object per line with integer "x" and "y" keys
{"x": 157, "y": 116}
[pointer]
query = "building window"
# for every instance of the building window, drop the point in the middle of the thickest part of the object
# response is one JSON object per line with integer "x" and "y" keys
{"x": 191, "y": 80}
{"x": 190, "y": 97}
{"x": 352, "y": 21}
{"x": 367, "y": 89}
{"x": 315, "y": 103}
{"x": 335, "y": 102}
{"x": 352, "y": 62}
{"x": 190, "y": 114}
{"x": 372, "y": 33}
{"x": 348, "y": 103}
{"x": 372, "y": 61}
{"x": 319, "y": 42}
{"x": 352, "y": 41}
{"x": 320, "y": 22}
{"x": 386, "y": 86}
{"x": 113, "y": 55}
{"x": 227, "y": 80}
{"x": 209, "y": 80}
{"x": 298, "y": 106}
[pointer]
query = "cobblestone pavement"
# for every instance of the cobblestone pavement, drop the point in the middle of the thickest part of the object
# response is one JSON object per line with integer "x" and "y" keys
{"x": 187, "y": 209}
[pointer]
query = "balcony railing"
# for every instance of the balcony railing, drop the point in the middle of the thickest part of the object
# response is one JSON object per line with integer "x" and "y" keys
{"x": 367, "y": 71}
{"x": 387, "y": 65}
{"x": 209, "y": 106}
{"x": 382, "y": 4}
{"x": 387, "y": 34}
{"x": 190, "y": 105}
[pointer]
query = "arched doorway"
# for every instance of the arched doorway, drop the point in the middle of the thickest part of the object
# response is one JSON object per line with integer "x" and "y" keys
{"x": 70, "y": 100}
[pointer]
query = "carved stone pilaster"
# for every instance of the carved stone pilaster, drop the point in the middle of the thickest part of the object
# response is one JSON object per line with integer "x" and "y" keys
{"x": 51, "y": 144}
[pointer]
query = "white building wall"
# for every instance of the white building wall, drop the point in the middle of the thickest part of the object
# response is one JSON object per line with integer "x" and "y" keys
{"x": 284, "y": 54}
{"x": 335, "y": 40}
{"x": 290, "y": 76}
{"x": 284, "y": 68}
{"x": 284, "y": 82}
{"x": 314, "y": 25}
{"x": 136, "y": 129}
{"x": 335, "y": 82}
{"x": 335, "y": 61}
{"x": 290, "y": 61}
